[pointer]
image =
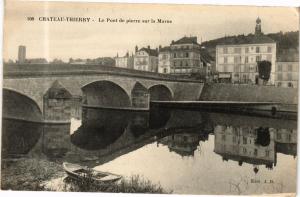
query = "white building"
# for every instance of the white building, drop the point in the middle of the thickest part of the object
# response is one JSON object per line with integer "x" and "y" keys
{"x": 236, "y": 58}
{"x": 146, "y": 59}
{"x": 164, "y": 60}
{"x": 125, "y": 62}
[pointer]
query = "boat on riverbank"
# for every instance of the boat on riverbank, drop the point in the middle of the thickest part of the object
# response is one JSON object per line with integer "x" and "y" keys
{"x": 79, "y": 172}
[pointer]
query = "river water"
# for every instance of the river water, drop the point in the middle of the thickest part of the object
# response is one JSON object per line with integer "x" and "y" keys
{"x": 187, "y": 152}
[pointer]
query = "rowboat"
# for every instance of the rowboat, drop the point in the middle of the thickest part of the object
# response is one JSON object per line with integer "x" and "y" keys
{"x": 79, "y": 172}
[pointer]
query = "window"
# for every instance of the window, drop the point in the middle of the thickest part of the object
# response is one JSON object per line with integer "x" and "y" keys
{"x": 244, "y": 140}
{"x": 290, "y": 67}
{"x": 290, "y": 84}
{"x": 267, "y": 153}
{"x": 186, "y": 54}
{"x": 246, "y": 50}
{"x": 234, "y": 139}
{"x": 237, "y": 50}
{"x": 255, "y": 152}
{"x": 223, "y": 137}
{"x": 279, "y": 136}
{"x": 185, "y": 138}
{"x": 246, "y": 59}
{"x": 279, "y": 67}
{"x": 236, "y": 68}
{"x": 244, "y": 150}
{"x": 225, "y": 60}
{"x": 257, "y": 49}
{"x": 225, "y": 50}
{"x": 258, "y": 58}
{"x": 165, "y": 70}
{"x": 269, "y": 49}
{"x": 237, "y": 59}
{"x": 174, "y": 55}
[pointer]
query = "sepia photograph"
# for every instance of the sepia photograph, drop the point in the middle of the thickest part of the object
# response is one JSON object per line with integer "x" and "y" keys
{"x": 149, "y": 98}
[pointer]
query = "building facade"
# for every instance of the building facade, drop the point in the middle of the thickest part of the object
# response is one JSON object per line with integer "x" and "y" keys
{"x": 287, "y": 74}
{"x": 237, "y": 58}
{"x": 164, "y": 60}
{"x": 22, "y": 54}
{"x": 185, "y": 56}
{"x": 125, "y": 62}
{"x": 146, "y": 59}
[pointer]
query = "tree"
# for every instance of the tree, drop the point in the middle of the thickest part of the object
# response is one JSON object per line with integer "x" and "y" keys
{"x": 264, "y": 70}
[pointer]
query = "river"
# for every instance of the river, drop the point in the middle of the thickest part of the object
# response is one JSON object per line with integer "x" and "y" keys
{"x": 186, "y": 152}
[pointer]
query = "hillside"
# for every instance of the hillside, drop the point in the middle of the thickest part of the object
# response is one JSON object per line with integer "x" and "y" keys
{"x": 286, "y": 42}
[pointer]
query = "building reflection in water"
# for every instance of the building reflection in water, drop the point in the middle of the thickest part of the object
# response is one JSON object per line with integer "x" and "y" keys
{"x": 183, "y": 144}
{"x": 257, "y": 146}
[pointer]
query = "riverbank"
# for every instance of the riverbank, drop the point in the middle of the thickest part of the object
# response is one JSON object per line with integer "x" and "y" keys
{"x": 28, "y": 174}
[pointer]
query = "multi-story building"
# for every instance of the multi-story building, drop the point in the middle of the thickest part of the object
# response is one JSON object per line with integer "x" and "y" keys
{"x": 237, "y": 57}
{"x": 287, "y": 68}
{"x": 146, "y": 59}
{"x": 22, "y": 54}
{"x": 239, "y": 144}
{"x": 164, "y": 60}
{"x": 185, "y": 56}
{"x": 125, "y": 62}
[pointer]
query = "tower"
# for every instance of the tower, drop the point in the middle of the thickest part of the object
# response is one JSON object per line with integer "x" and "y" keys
{"x": 258, "y": 27}
{"x": 22, "y": 54}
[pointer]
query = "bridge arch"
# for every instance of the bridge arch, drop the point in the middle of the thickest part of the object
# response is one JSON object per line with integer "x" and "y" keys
{"x": 105, "y": 94}
{"x": 160, "y": 92}
{"x": 19, "y": 106}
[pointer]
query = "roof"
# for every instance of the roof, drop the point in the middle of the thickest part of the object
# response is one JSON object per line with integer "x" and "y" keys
{"x": 57, "y": 91}
{"x": 205, "y": 56}
{"x": 186, "y": 40}
{"x": 165, "y": 49}
{"x": 250, "y": 39}
{"x": 151, "y": 52}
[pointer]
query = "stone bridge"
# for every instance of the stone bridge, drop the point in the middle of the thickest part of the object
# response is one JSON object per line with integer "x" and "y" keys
{"x": 25, "y": 88}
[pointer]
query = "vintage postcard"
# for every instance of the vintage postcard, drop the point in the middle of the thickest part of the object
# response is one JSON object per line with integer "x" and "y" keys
{"x": 149, "y": 98}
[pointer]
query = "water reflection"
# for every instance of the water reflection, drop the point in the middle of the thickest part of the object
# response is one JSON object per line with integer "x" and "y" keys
{"x": 194, "y": 143}
{"x": 19, "y": 137}
{"x": 99, "y": 128}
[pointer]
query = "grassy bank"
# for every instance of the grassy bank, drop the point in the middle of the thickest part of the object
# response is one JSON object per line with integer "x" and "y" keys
{"x": 27, "y": 174}
{"x": 134, "y": 184}
{"x": 31, "y": 175}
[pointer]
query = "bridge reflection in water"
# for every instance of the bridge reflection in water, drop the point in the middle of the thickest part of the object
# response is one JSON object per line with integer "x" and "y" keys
{"x": 191, "y": 144}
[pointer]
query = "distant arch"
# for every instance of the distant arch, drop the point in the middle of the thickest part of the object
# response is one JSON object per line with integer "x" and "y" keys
{"x": 161, "y": 93}
{"x": 105, "y": 94}
{"x": 17, "y": 105}
{"x": 139, "y": 95}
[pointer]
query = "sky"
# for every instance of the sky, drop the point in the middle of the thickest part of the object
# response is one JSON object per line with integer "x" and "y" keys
{"x": 64, "y": 40}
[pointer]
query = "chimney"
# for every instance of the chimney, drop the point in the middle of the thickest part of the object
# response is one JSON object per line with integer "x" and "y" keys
{"x": 159, "y": 48}
{"x": 127, "y": 54}
{"x": 156, "y": 49}
{"x": 172, "y": 42}
{"x": 136, "y": 48}
{"x": 148, "y": 46}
